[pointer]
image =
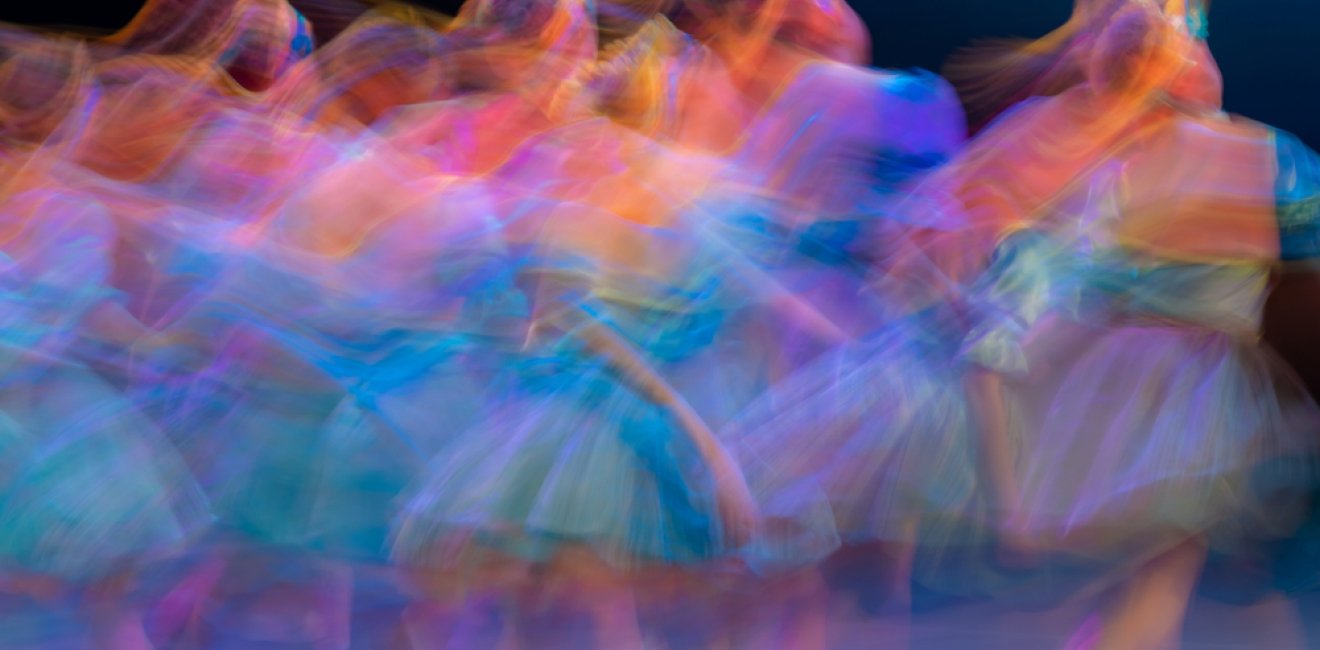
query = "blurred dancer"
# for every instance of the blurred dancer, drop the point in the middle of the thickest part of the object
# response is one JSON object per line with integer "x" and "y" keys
{"x": 253, "y": 41}
{"x": 993, "y": 76}
{"x": 93, "y": 491}
{"x": 595, "y": 465}
{"x": 1153, "y": 435}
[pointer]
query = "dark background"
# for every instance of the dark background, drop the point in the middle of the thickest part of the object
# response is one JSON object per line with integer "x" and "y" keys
{"x": 1269, "y": 50}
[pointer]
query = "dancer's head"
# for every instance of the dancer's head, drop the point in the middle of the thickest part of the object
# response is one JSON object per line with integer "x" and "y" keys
{"x": 1138, "y": 54}
{"x": 827, "y": 28}
{"x": 1200, "y": 85}
{"x": 993, "y": 76}
{"x": 41, "y": 81}
{"x": 255, "y": 41}
{"x": 635, "y": 81}
{"x": 620, "y": 19}
{"x": 379, "y": 63}
{"x": 268, "y": 36}
{"x": 565, "y": 28}
{"x": 522, "y": 45}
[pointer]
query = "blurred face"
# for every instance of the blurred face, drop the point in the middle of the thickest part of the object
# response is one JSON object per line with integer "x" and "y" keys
{"x": 618, "y": 19}
{"x": 519, "y": 42}
{"x": 828, "y": 28}
{"x": 40, "y": 82}
{"x": 1135, "y": 55}
{"x": 1200, "y": 84}
{"x": 268, "y": 43}
{"x": 831, "y": 29}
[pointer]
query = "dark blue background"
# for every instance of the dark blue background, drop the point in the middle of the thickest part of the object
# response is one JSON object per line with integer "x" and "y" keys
{"x": 1269, "y": 50}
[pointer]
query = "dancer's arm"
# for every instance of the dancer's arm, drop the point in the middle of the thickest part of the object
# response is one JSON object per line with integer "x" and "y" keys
{"x": 604, "y": 341}
{"x": 109, "y": 322}
{"x": 737, "y": 507}
{"x": 806, "y": 315}
{"x": 763, "y": 285}
{"x": 989, "y": 408}
{"x": 1007, "y": 305}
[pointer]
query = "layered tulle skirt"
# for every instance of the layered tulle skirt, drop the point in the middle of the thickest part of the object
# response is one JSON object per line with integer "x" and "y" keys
{"x": 1152, "y": 433}
{"x": 378, "y": 442}
{"x": 256, "y": 447}
{"x": 574, "y": 457}
{"x": 863, "y": 444}
{"x": 315, "y": 459}
{"x": 90, "y": 488}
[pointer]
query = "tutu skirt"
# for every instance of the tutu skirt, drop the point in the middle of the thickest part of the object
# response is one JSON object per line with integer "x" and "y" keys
{"x": 857, "y": 446}
{"x": 375, "y": 446}
{"x": 1155, "y": 432}
{"x": 90, "y": 486}
{"x": 575, "y": 457}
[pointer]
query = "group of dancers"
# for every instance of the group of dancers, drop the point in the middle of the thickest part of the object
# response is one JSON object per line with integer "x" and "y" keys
{"x": 618, "y": 306}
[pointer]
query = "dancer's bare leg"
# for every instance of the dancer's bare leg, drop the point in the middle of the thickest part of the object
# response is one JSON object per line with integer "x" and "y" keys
{"x": 334, "y": 603}
{"x": 430, "y": 621}
{"x": 806, "y": 606}
{"x": 606, "y": 595}
{"x": 116, "y": 621}
{"x": 1148, "y": 610}
{"x": 896, "y": 560}
{"x": 177, "y": 611}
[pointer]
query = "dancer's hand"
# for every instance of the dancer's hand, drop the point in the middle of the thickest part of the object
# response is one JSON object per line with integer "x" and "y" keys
{"x": 733, "y": 499}
{"x": 737, "y": 508}
{"x": 172, "y": 351}
{"x": 43, "y": 589}
{"x": 812, "y": 320}
{"x": 1017, "y": 547}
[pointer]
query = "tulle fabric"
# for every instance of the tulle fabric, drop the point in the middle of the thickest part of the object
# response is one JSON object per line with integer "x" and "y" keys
{"x": 577, "y": 459}
{"x": 95, "y": 489}
{"x": 573, "y": 454}
{"x": 1150, "y": 413}
{"x": 384, "y": 353}
{"x": 1185, "y": 431}
{"x": 343, "y": 373}
{"x": 859, "y": 445}
{"x": 91, "y": 488}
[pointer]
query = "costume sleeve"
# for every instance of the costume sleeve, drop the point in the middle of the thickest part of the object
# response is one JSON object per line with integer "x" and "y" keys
{"x": 1020, "y": 285}
{"x": 1297, "y": 198}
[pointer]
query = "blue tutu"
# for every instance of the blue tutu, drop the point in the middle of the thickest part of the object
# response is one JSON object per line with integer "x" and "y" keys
{"x": 90, "y": 485}
{"x": 574, "y": 454}
{"x": 1297, "y": 195}
{"x": 314, "y": 454}
{"x": 1160, "y": 417}
{"x": 859, "y": 445}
